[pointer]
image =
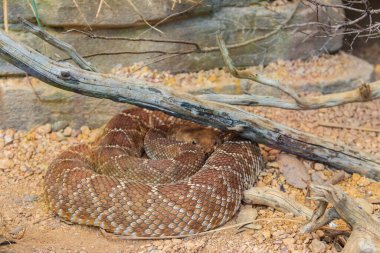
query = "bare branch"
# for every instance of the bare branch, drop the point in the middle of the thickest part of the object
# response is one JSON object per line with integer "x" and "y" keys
{"x": 70, "y": 50}
{"x": 363, "y": 93}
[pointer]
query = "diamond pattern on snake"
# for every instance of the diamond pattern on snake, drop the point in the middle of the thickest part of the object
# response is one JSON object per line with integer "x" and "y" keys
{"x": 153, "y": 175}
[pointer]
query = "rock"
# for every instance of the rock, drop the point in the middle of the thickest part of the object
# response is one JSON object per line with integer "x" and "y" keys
{"x": 267, "y": 234}
{"x": 8, "y": 139}
{"x": 365, "y": 205}
{"x": 198, "y": 25}
{"x": 317, "y": 246}
{"x": 30, "y": 198}
{"x": 59, "y": 125}
{"x": 293, "y": 170}
{"x": 289, "y": 241}
{"x": 6, "y": 163}
{"x": 17, "y": 232}
{"x": 247, "y": 214}
{"x": 319, "y": 166}
{"x": 60, "y": 136}
{"x": 67, "y": 132}
{"x": 85, "y": 130}
{"x": 316, "y": 178}
{"x": 45, "y": 129}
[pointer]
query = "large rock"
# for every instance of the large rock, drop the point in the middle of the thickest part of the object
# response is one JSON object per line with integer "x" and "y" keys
{"x": 115, "y": 13}
{"x": 239, "y": 21}
{"x": 25, "y": 104}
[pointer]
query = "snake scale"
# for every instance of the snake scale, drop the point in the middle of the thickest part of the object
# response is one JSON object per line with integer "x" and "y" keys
{"x": 153, "y": 175}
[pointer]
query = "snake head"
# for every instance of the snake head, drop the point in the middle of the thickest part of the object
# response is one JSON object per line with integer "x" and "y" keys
{"x": 207, "y": 138}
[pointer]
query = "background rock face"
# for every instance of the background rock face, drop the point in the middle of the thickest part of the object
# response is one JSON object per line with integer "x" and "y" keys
{"x": 238, "y": 20}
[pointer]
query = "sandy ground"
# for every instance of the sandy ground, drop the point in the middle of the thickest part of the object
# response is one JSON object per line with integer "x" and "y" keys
{"x": 26, "y": 220}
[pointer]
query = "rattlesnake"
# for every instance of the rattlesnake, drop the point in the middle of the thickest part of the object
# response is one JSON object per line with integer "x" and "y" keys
{"x": 191, "y": 183}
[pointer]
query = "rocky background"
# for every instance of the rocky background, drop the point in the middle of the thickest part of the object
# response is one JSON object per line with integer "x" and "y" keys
{"x": 193, "y": 21}
{"x": 27, "y": 102}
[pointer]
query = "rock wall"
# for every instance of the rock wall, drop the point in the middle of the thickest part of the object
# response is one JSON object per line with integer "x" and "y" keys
{"x": 238, "y": 20}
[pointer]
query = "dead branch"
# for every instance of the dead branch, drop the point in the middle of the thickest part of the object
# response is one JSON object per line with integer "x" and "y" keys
{"x": 150, "y": 95}
{"x": 276, "y": 199}
{"x": 365, "y": 236}
{"x": 353, "y": 26}
{"x": 70, "y": 50}
{"x": 365, "y": 92}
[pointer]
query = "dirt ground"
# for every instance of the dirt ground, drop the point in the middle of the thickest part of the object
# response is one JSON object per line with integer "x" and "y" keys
{"x": 26, "y": 221}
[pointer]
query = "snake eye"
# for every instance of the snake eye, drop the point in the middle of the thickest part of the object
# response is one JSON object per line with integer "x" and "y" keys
{"x": 194, "y": 142}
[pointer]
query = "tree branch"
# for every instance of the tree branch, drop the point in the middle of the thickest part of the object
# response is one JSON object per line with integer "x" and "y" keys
{"x": 183, "y": 105}
{"x": 70, "y": 50}
{"x": 365, "y": 92}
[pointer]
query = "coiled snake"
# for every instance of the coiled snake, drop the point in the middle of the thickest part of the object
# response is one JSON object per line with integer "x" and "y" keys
{"x": 153, "y": 175}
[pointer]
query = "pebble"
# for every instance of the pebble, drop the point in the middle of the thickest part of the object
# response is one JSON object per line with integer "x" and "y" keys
{"x": 17, "y": 232}
{"x": 289, "y": 241}
{"x": 85, "y": 130}
{"x": 67, "y": 132}
{"x": 316, "y": 178}
{"x": 44, "y": 129}
{"x": 247, "y": 215}
{"x": 6, "y": 163}
{"x": 30, "y": 198}
{"x": 319, "y": 166}
{"x": 59, "y": 125}
{"x": 267, "y": 234}
{"x": 8, "y": 139}
{"x": 317, "y": 246}
{"x": 60, "y": 136}
{"x": 294, "y": 171}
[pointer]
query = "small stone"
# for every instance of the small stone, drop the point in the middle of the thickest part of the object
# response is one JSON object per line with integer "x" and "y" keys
{"x": 289, "y": 241}
{"x": 273, "y": 165}
{"x": 85, "y": 130}
{"x": 293, "y": 170}
{"x": 30, "y": 198}
{"x": 319, "y": 166}
{"x": 94, "y": 135}
{"x": 67, "y": 132}
{"x": 45, "y": 129}
{"x": 267, "y": 234}
{"x": 247, "y": 215}
{"x": 8, "y": 139}
{"x": 17, "y": 232}
{"x": 278, "y": 233}
{"x": 355, "y": 177}
{"x": 5, "y": 163}
{"x": 60, "y": 136}
{"x": 59, "y": 125}
{"x": 317, "y": 246}
{"x": 54, "y": 136}
{"x": 320, "y": 233}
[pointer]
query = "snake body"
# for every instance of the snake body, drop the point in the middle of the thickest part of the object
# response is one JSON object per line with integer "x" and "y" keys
{"x": 182, "y": 189}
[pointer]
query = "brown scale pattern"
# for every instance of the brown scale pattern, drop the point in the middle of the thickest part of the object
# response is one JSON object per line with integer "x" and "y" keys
{"x": 182, "y": 189}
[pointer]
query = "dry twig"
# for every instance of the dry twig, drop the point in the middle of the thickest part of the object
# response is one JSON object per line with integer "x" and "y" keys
{"x": 365, "y": 92}
{"x": 70, "y": 50}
